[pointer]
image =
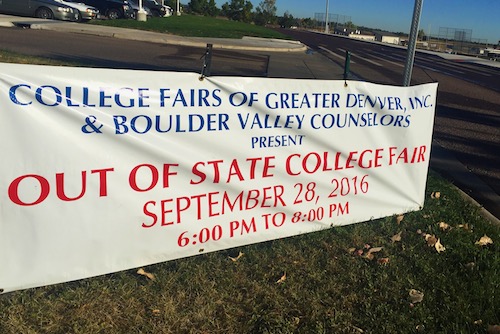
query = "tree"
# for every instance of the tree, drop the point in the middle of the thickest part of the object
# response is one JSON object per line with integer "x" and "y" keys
{"x": 197, "y": 6}
{"x": 287, "y": 20}
{"x": 212, "y": 9}
{"x": 266, "y": 12}
{"x": 421, "y": 34}
{"x": 204, "y": 7}
{"x": 238, "y": 10}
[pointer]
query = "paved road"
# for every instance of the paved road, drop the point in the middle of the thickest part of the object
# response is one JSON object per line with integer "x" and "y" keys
{"x": 109, "y": 52}
{"x": 467, "y": 120}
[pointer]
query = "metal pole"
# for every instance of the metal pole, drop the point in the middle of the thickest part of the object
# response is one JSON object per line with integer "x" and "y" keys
{"x": 347, "y": 64}
{"x": 410, "y": 55}
{"x": 327, "y": 30}
{"x": 178, "y": 9}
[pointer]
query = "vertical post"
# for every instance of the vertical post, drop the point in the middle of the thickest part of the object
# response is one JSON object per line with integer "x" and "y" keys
{"x": 141, "y": 13}
{"x": 347, "y": 64}
{"x": 207, "y": 62}
{"x": 410, "y": 55}
{"x": 178, "y": 8}
{"x": 327, "y": 30}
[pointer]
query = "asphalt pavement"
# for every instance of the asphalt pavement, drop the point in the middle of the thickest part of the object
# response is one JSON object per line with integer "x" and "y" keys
{"x": 295, "y": 59}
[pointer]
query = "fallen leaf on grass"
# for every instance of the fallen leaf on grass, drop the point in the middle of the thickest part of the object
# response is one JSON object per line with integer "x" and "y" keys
{"x": 396, "y": 237}
{"x": 439, "y": 247}
{"x": 484, "y": 241}
{"x": 282, "y": 279}
{"x": 431, "y": 240}
{"x": 383, "y": 261}
{"x": 375, "y": 250}
{"x": 370, "y": 253}
{"x": 351, "y": 250}
{"x": 144, "y": 273}
{"x": 416, "y": 296}
{"x": 466, "y": 227}
{"x": 234, "y": 259}
{"x": 435, "y": 194}
{"x": 443, "y": 226}
{"x": 156, "y": 312}
{"x": 399, "y": 219}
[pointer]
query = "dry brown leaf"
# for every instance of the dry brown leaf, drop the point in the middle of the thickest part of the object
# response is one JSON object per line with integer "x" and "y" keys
{"x": 375, "y": 250}
{"x": 435, "y": 194}
{"x": 144, "y": 273}
{"x": 282, "y": 279}
{"x": 370, "y": 253}
{"x": 484, "y": 241}
{"x": 439, "y": 247}
{"x": 234, "y": 259}
{"x": 399, "y": 219}
{"x": 383, "y": 261}
{"x": 431, "y": 240}
{"x": 369, "y": 256}
{"x": 466, "y": 227}
{"x": 156, "y": 312}
{"x": 443, "y": 226}
{"x": 416, "y": 296}
{"x": 351, "y": 250}
{"x": 396, "y": 237}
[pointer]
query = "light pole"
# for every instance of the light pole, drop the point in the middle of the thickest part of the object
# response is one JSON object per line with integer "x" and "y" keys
{"x": 327, "y": 30}
{"x": 141, "y": 13}
{"x": 412, "y": 42}
{"x": 178, "y": 12}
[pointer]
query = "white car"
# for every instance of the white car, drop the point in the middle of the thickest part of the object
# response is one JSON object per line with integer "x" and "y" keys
{"x": 168, "y": 11}
{"x": 86, "y": 12}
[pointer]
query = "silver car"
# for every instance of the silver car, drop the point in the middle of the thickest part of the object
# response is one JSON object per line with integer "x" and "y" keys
{"x": 44, "y": 9}
{"x": 86, "y": 12}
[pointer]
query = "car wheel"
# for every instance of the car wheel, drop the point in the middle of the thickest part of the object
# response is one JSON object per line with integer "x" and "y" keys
{"x": 44, "y": 13}
{"x": 79, "y": 16}
{"x": 114, "y": 14}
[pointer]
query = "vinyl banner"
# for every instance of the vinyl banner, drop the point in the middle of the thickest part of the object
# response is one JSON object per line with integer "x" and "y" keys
{"x": 105, "y": 170}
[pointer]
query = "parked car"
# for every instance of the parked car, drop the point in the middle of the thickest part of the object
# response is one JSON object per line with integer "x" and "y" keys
{"x": 86, "y": 12}
{"x": 112, "y": 9}
{"x": 156, "y": 9}
{"x": 44, "y": 9}
{"x": 168, "y": 11}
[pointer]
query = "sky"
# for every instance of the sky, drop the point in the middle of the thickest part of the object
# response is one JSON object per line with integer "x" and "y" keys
{"x": 480, "y": 16}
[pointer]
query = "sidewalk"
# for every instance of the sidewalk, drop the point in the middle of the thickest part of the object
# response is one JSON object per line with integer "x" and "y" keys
{"x": 286, "y": 59}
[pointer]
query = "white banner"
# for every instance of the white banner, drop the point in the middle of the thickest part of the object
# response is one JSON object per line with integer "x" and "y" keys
{"x": 105, "y": 170}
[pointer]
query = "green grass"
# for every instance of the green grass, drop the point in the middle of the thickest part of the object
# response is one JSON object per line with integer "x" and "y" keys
{"x": 196, "y": 26}
{"x": 329, "y": 288}
{"x": 14, "y": 57}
